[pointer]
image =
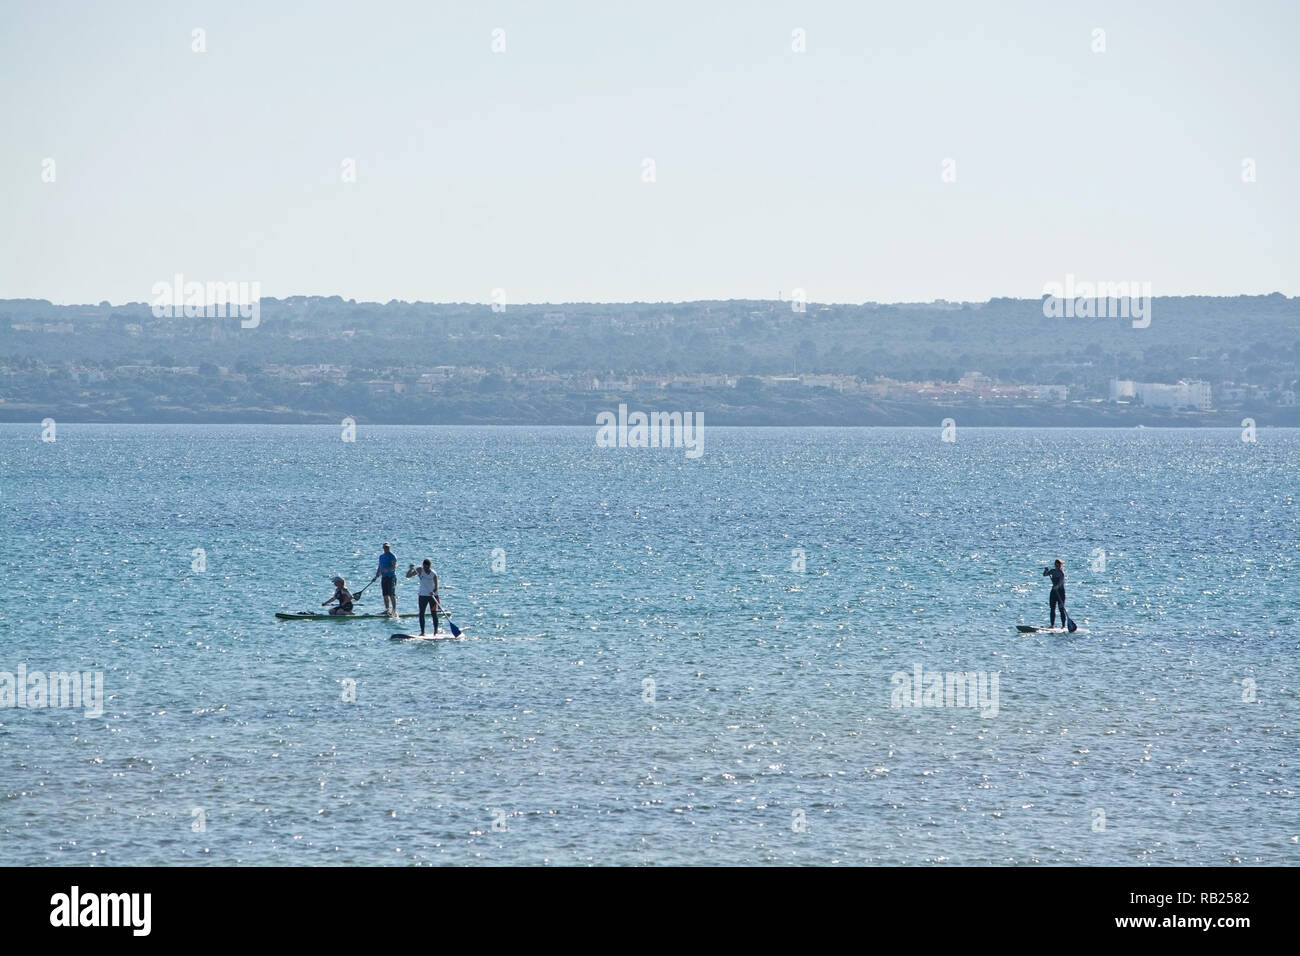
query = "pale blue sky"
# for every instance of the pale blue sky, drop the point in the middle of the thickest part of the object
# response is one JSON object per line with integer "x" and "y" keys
{"x": 523, "y": 170}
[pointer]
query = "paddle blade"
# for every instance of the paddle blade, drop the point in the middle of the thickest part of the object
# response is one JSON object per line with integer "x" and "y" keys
{"x": 1071, "y": 626}
{"x": 455, "y": 631}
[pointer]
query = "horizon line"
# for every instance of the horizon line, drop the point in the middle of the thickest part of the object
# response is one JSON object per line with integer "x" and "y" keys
{"x": 659, "y": 302}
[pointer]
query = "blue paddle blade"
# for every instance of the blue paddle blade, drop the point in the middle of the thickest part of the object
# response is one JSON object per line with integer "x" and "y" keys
{"x": 455, "y": 631}
{"x": 1071, "y": 626}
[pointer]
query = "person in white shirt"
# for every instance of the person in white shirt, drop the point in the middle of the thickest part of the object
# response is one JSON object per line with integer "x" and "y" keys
{"x": 428, "y": 592}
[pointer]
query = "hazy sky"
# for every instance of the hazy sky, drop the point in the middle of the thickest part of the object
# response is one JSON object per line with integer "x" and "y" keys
{"x": 523, "y": 170}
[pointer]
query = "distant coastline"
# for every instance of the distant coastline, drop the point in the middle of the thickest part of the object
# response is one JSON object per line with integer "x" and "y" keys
{"x": 1194, "y": 362}
{"x": 916, "y": 417}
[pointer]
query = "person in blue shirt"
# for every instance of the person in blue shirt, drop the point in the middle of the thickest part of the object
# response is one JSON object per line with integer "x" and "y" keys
{"x": 387, "y": 573}
{"x": 1057, "y": 595}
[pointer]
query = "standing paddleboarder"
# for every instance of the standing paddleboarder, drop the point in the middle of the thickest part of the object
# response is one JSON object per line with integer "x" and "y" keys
{"x": 387, "y": 574}
{"x": 428, "y": 592}
{"x": 1057, "y": 595}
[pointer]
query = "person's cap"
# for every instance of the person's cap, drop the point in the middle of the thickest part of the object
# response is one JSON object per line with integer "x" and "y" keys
{"x": 427, "y": 562}
{"x": 385, "y": 545}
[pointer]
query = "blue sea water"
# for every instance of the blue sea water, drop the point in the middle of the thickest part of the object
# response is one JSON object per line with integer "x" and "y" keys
{"x": 665, "y": 660}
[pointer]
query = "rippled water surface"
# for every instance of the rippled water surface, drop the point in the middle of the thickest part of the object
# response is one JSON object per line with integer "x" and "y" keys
{"x": 650, "y": 678}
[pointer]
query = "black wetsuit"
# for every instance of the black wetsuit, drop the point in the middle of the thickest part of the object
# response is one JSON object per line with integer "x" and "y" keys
{"x": 1057, "y": 596}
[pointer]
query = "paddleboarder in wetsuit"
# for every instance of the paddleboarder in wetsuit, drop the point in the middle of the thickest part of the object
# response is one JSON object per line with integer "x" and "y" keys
{"x": 1057, "y": 595}
{"x": 342, "y": 595}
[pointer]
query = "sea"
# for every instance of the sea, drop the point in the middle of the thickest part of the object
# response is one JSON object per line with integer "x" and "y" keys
{"x": 797, "y": 647}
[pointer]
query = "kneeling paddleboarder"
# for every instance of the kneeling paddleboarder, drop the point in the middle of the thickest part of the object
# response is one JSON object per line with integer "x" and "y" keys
{"x": 342, "y": 595}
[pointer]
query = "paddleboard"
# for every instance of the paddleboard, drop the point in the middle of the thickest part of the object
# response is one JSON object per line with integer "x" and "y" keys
{"x": 309, "y": 616}
{"x": 441, "y": 636}
{"x": 1030, "y": 629}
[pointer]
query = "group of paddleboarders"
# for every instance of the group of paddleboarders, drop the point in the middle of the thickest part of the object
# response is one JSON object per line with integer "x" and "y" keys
{"x": 386, "y": 572}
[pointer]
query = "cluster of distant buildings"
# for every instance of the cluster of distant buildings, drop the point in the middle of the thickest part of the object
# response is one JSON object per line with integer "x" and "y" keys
{"x": 975, "y": 386}
{"x": 1185, "y": 394}
{"x": 971, "y": 386}
{"x": 1193, "y": 395}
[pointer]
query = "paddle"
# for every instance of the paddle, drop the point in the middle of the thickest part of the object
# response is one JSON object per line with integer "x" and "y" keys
{"x": 455, "y": 631}
{"x": 357, "y": 597}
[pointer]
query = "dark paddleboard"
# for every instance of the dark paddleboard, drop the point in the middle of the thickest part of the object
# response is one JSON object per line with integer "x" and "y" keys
{"x": 442, "y": 636}
{"x": 312, "y": 616}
